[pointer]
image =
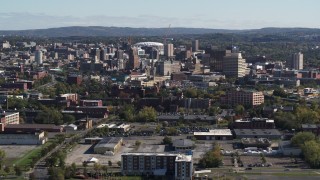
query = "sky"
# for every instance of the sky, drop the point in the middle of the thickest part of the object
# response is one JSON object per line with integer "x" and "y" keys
{"x": 216, "y": 14}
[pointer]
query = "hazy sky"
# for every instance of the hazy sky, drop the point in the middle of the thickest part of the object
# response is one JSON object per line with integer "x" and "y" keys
{"x": 227, "y": 14}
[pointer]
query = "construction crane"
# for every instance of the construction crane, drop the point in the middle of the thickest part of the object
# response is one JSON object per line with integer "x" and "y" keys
{"x": 166, "y": 35}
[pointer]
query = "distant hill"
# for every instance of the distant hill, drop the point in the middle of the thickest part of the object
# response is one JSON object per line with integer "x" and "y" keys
{"x": 127, "y": 31}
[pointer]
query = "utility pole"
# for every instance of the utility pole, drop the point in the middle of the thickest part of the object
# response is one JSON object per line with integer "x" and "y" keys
{"x": 7, "y": 101}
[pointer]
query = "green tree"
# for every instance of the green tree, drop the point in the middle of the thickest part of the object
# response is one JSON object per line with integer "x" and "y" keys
{"x": 314, "y": 106}
{"x": 68, "y": 172}
{"x": 302, "y": 137}
{"x": 280, "y": 92}
{"x": 17, "y": 170}
{"x": 17, "y": 103}
{"x": 286, "y": 120}
{"x": 239, "y": 110}
{"x": 2, "y": 156}
{"x": 311, "y": 153}
{"x": 138, "y": 143}
{"x": 110, "y": 163}
{"x": 172, "y": 131}
{"x": 191, "y": 93}
{"x": 119, "y": 163}
{"x": 62, "y": 88}
{"x": 127, "y": 113}
{"x": 105, "y": 169}
{"x": 167, "y": 140}
{"x": 211, "y": 159}
{"x": 214, "y": 110}
{"x": 7, "y": 169}
{"x": 67, "y": 118}
{"x": 73, "y": 169}
{"x": 49, "y": 116}
{"x": 263, "y": 158}
{"x": 306, "y": 115}
{"x": 56, "y": 173}
{"x": 97, "y": 168}
{"x": 84, "y": 164}
{"x": 147, "y": 114}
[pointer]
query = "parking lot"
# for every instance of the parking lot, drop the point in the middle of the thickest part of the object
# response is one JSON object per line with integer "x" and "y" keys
{"x": 83, "y": 152}
{"x": 276, "y": 162}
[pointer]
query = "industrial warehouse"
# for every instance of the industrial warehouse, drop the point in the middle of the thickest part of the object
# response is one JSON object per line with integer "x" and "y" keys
{"x": 108, "y": 146}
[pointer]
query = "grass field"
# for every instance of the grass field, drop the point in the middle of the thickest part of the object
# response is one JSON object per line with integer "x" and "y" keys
{"x": 26, "y": 160}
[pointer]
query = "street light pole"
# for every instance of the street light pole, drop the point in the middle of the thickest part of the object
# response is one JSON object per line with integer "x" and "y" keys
{"x": 7, "y": 101}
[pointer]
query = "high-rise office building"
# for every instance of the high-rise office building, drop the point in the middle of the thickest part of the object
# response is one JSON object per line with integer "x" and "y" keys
{"x": 85, "y": 55}
{"x": 195, "y": 45}
{"x": 38, "y": 56}
{"x": 56, "y": 55}
{"x": 168, "y": 50}
{"x": 103, "y": 54}
{"x": 154, "y": 54}
{"x": 119, "y": 54}
{"x": 110, "y": 50}
{"x": 95, "y": 53}
{"x": 120, "y": 64}
{"x": 165, "y": 68}
{"x": 213, "y": 58}
{"x": 234, "y": 65}
{"x": 133, "y": 59}
{"x": 70, "y": 57}
{"x": 297, "y": 61}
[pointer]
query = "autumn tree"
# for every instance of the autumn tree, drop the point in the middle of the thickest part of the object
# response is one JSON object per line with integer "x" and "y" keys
{"x": 212, "y": 158}
{"x": 147, "y": 114}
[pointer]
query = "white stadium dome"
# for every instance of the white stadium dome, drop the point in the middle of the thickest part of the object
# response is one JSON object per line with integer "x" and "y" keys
{"x": 150, "y": 44}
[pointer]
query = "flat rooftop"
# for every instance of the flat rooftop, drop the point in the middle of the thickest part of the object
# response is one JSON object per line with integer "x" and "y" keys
{"x": 185, "y": 117}
{"x": 124, "y": 126}
{"x": 107, "y": 125}
{"x": 182, "y": 143}
{"x": 214, "y": 132}
{"x": 183, "y": 158}
{"x": 255, "y": 120}
{"x": 147, "y": 148}
{"x": 10, "y": 113}
{"x": 109, "y": 142}
{"x": 309, "y": 126}
{"x": 257, "y": 132}
{"x": 255, "y": 141}
{"x": 33, "y": 126}
{"x": 148, "y": 154}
